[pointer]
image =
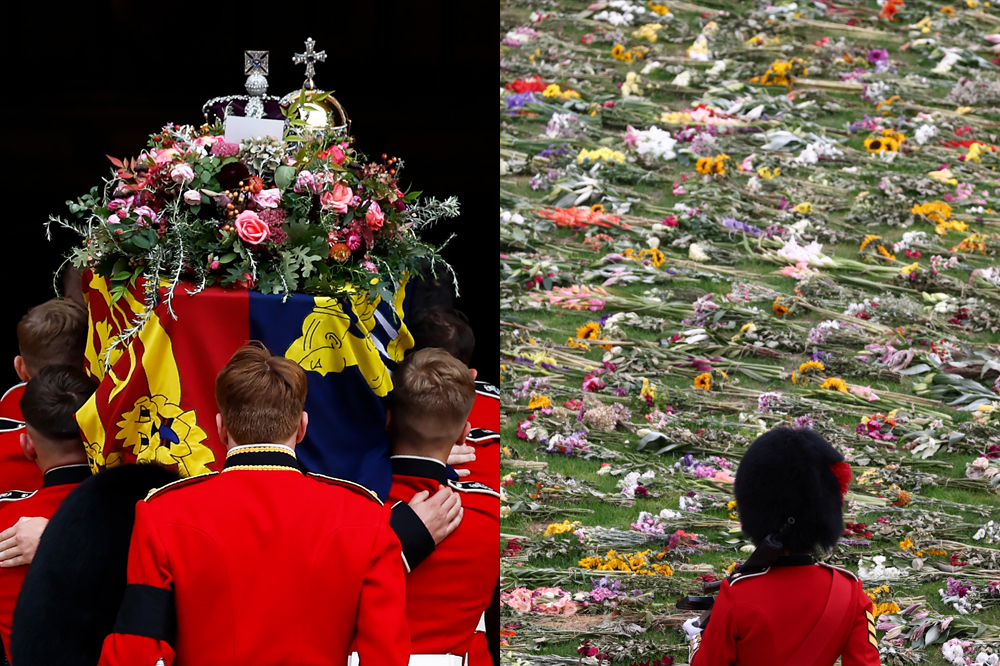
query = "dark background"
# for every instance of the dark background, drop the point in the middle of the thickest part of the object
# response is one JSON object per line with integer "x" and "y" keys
{"x": 99, "y": 77}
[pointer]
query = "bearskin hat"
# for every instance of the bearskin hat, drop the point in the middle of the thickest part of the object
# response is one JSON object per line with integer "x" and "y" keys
{"x": 786, "y": 474}
{"x": 70, "y": 597}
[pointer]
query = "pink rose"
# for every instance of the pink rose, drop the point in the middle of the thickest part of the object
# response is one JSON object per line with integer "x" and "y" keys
{"x": 164, "y": 155}
{"x": 268, "y": 198}
{"x": 143, "y": 212}
{"x": 192, "y": 197}
{"x": 338, "y": 199}
{"x": 251, "y": 228}
{"x": 182, "y": 173}
{"x": 305, "y": 181}
{"x": 375, "y": 216}
{"x": 334, "y": 153}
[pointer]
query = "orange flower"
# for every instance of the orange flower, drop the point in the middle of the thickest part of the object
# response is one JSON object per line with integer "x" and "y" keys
{"x": 890, "y": 8}
{"x": 947, "y": 10}
{"x": 703, "y": 381}
{"x": 778, "y": 308}
{"x": 340, "y": 252}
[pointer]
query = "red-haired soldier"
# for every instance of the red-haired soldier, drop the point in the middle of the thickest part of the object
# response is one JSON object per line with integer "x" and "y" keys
{"x": 260, "y": 563}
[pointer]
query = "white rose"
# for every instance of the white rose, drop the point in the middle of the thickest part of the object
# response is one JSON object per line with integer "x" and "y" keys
{"x": 653, "y": 242}
{"x": 192, "y": 197}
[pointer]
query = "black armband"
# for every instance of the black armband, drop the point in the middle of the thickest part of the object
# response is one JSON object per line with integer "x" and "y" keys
{"x": 148, "y": 611}
{"x": 415, "y": 538}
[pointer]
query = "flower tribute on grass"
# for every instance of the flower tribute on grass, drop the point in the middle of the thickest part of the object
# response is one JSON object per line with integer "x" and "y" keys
{"x": 777, "y": 215}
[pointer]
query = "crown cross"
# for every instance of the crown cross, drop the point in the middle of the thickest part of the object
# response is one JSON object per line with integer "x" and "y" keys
{"x": 309, "y": 59}
{"x": 255, "y": 61}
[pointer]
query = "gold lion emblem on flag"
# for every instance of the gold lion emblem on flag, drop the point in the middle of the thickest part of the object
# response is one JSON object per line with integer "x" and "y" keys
{"x": 158, "y": 431}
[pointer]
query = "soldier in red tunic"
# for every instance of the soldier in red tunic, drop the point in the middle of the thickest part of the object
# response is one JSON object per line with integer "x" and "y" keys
{"x": 795, "y": 612}
{"x": 51, "y": 442}
{"x": 433, "y": 395}
{"x": 53, "y": 333}
{"x": 479, "y": 459}
{"x": 261, "y": 564}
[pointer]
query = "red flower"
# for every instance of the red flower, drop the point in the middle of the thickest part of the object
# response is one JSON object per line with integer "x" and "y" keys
{"x": 527, "y": 85}
{"x": 890, "y": 8}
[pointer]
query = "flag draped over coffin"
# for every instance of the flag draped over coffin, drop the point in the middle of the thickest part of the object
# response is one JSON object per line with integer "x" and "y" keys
{"x": 156, "y": 398}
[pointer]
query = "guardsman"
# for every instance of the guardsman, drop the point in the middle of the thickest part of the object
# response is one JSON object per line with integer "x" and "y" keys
{"x": 50, "y": 441}
{"x": 52, "y": 333}
{"x": 796, "y": 611}
{"x": 479, "y": 458}
{"x": 261, "y": 564}
{"x": 433, "y": 396}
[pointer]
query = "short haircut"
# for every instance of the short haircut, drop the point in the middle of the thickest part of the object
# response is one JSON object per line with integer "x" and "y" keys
{"x": 51, "y": 399}
{"x": 445, "y": 328}
{"x": 53, "y": 333}
{"x": 260, "y": 396}
{"x": 432, "y": 394}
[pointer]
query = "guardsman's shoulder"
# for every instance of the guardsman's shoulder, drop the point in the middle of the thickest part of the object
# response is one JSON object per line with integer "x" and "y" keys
{"x": 482, "y": 435}
{"x": 740, "y": 577}
{"x": 349, "y": 485}
{"x": 842, "y": 571}
{"x": 475, "y": 487}
{"x": 487, "y": 389}
{"x": 182, "y": 483}
{"x": 10, "y": 496}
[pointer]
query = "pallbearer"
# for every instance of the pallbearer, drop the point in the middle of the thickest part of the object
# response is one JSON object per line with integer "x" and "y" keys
{"x": 796, "y": 612}
{"x": 261, "y": 564}
{"x": 448, "y": 593}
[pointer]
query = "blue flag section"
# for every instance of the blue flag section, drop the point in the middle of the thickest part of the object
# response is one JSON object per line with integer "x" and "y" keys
{"x": 349, "y": 348}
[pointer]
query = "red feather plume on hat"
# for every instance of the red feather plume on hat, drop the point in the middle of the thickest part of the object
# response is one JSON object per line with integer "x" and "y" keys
{"x": 842, "y": 471}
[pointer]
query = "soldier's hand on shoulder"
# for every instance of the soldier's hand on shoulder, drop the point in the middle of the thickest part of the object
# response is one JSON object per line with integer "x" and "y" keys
{"x": 441, "y": 513}
{"x": 461, "y": 454}
{"x": 19, "y": 542}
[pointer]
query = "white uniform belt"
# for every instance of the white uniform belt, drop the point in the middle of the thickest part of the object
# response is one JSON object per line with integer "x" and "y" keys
{"x": 421, "y": 660}
{"x": 436, "y": 660}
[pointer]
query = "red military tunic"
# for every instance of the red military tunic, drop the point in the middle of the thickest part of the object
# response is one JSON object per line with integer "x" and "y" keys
{"x": 485, "y": 437}
{"x": 18, "y": 476}
{"x": 59, "y": 481}
{"x": 259, "y": 565}
{"x": 10, "y": 402}
{"x": 763, "y": 619}
{"x": 457, "y": 580}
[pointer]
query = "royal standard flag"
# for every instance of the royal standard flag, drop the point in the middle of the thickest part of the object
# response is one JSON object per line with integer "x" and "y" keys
{"x": 156, "y": 400}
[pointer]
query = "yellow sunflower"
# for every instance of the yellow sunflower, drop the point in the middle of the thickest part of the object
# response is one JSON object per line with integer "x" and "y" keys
{"x": 703, "y": 381}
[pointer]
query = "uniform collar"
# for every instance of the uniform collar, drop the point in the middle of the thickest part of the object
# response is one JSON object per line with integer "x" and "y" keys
{"x": 64, "y": 474}
{"x": 261, "y": 457}
{"x": 428, "y": 468}
{"x": 794, "y": 561}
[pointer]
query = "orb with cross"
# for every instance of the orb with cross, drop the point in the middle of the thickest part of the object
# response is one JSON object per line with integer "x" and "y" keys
{"x": 317, "y": 108}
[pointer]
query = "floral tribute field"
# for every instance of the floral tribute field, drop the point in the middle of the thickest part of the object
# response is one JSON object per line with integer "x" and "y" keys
{"x": 716, "y": 219}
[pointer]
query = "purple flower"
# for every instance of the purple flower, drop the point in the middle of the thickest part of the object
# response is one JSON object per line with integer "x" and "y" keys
{"x": 735, "y": 225}
{"x": 515, "y": 102}
{"x": 879, "y": 58}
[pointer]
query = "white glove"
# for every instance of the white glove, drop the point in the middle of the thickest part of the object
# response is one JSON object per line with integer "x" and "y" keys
{"x": 691, "y": 628}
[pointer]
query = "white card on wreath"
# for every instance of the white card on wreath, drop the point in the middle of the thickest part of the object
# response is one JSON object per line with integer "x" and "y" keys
{"x": 239, "y": 128}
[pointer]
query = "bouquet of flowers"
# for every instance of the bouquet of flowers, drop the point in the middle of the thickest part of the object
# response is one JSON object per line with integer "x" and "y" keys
{"x": 305, "y": 213}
